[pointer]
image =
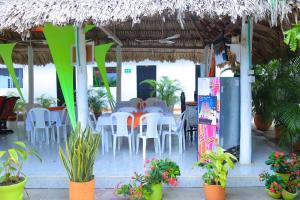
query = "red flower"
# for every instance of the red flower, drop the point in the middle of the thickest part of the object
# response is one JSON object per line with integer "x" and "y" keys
{"x": 165, "y": 175}
{"x": 173, "y": 182}
{"x": 130, "y": 191}
{"x": 139, "y": 194}
{"x": 148, "y": 161}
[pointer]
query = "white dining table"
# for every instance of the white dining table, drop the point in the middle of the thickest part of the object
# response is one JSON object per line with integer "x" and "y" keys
{"x": 55, "y": 115}
{"x": 104, "y": 121}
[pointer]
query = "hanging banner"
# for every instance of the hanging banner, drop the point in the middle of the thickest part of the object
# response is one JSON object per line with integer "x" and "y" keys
{"x": 100, "y": 55}
{"x": 208, "y": 114}
{"x": 6, "y": 54}
{"x": 60, "y": 41}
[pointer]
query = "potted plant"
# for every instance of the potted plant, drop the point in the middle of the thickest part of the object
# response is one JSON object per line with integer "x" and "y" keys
{"x": 216, "y": 163}
{"x": 46, "y": 101}
{"x": 273, "y": 184}
{"x": 138, "y": 188}
{"x": 97, "y": 100}
{"x": 165, "y": 89}
{"x": 78, "y": 159}
{"x": 12, "y": 179}
{"x": 280, "y": 164}
{"x": 149, "y": 186}
{"x": 263, "y": 93}
{"x": 290, "y": 190}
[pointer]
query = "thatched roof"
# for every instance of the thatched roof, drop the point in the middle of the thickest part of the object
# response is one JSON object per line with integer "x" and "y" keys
{"x": 22, "y": 15}
{"x": 139, "y": 24}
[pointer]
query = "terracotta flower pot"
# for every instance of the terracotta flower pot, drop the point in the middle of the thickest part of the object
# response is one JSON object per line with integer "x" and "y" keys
{"x": 289, "y": 196}
{"x": 214, "y": 192}
{"x": 260, "y": 123}
{"x": 272, "y": 194}
{"x": 80, "y": 191}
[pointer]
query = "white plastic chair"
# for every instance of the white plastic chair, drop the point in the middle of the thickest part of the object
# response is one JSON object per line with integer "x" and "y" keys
{"x": 64, "y": 123}
{"x": 151, "y": 101}
{"x": 40, "y": 119}
{"x": 178, "y": 132}
{"x": 151, "y": 121}
{"x": 153, "y": 109}
{"x": 135, "y": 101}
{"x": 127, "y": 109}
{"x": 121, "y": 104}
{"x": 162, "y": 105}
{"x": 92, "y": 122}
{"x": 119, "y": 129}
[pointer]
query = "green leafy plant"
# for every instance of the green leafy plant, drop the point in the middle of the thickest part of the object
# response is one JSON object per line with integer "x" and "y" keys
{"x": 287, "y": 110}
{"x": 264, "y": 89}
{"x": 162, "y": 171}
{"x": 278, "y": 162}
{"x": 166, "y": 89}
{"x": 157, "y": 172}
{"x": 80, "y": 154}
{"x": 274, "y": 183}
{"x": 97, "y": 100}
{"x": 12, "y": 165}
{"x": 292, "y": 37}
{"x": 217, "y": 164}
{"x": 46, "y": 101}
{"x": 137, "y": 189}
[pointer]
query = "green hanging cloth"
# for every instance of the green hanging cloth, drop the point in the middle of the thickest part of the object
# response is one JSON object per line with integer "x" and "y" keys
{"x": 5, "y": 53}
{"x": 100, "y": 55}
{"x": 60, "y": 41}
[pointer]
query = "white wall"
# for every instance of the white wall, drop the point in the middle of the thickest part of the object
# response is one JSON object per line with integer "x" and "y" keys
{"x": 44, "y": 81}
{"x": 45, "y": 78}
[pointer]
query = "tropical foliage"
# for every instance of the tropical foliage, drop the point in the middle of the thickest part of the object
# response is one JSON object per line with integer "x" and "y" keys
{"x": 272, "y": 182}
{"x": 217, "y": 164}
{"x": 97, "y": 100}
{"x": 292, "y": 37}
{"x": 46, "y": 101}
{"x": 12, "y": 164}
{"x": 157, "y": 172}
{"x": 278, "y": 162}
{"x": 165, "y": 89}
{"x": 80, "y": 154}
{"x": 264, "y": 89}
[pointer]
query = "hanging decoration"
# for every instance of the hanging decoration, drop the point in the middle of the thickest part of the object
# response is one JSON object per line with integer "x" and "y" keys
{"x": 60, "y": 41}
{"x": 100, "y": 54}
{"x": 6, "y": 54}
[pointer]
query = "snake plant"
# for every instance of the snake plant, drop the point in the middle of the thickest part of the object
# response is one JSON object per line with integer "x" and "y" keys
{"x": 80, "y": 154}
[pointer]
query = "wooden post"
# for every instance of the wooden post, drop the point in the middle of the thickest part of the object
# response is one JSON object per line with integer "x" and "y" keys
{"x": 245, "y": 87}
{"x": 81, "y": 74}
{"x": 30, "y": 76}
{"x": 119, "y": 73}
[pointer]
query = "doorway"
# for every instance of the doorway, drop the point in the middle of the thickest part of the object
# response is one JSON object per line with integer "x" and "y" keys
{"x": 144, "y": 72}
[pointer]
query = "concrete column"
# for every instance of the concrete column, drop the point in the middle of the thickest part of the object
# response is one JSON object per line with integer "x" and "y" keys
{"x": 119, "y": 73}
{"x": 81, "y": 74}
{"x": 30, "y": 76}
{"x": 246, "y": 97}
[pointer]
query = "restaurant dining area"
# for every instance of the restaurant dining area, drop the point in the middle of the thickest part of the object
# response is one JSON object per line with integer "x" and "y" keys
{"x": 156, "y": 94}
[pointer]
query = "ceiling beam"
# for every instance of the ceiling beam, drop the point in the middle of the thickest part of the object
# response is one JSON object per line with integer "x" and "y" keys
{"x": 111, "y": 35}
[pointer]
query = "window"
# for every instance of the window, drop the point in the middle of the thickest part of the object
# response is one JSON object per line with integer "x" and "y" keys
{"x": 111, "y": 76}
{"x": 6, "y": 80}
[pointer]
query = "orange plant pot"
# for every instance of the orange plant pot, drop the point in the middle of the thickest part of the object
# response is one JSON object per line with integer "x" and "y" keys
{"x": 260, "y": 123}
{"x": 214, "y": 192}
{"x": 82, "y": 191}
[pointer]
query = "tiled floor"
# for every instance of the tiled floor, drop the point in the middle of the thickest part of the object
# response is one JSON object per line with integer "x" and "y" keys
{"x": 109, "y": 170}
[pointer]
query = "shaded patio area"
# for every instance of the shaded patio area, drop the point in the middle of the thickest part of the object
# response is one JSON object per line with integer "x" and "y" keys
{"x": 109, "y": 171}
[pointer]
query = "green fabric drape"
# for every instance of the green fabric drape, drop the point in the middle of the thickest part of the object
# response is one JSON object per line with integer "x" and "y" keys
{"x": 5, "y": 53}
{"x": 60, "y": 41}
{"x": 100, "y": 54}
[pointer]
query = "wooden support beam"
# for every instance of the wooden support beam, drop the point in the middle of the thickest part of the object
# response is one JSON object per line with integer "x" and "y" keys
{"x": 111, "y": 35}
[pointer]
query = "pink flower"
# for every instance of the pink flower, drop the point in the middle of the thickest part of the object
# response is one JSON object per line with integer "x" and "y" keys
{"x": 139, "y": 194}
{"x": 165, "y": 175}
{"x": 130, "y": 191}
{"x": 148, "y": 161}
{"x": 173, "y": 182}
